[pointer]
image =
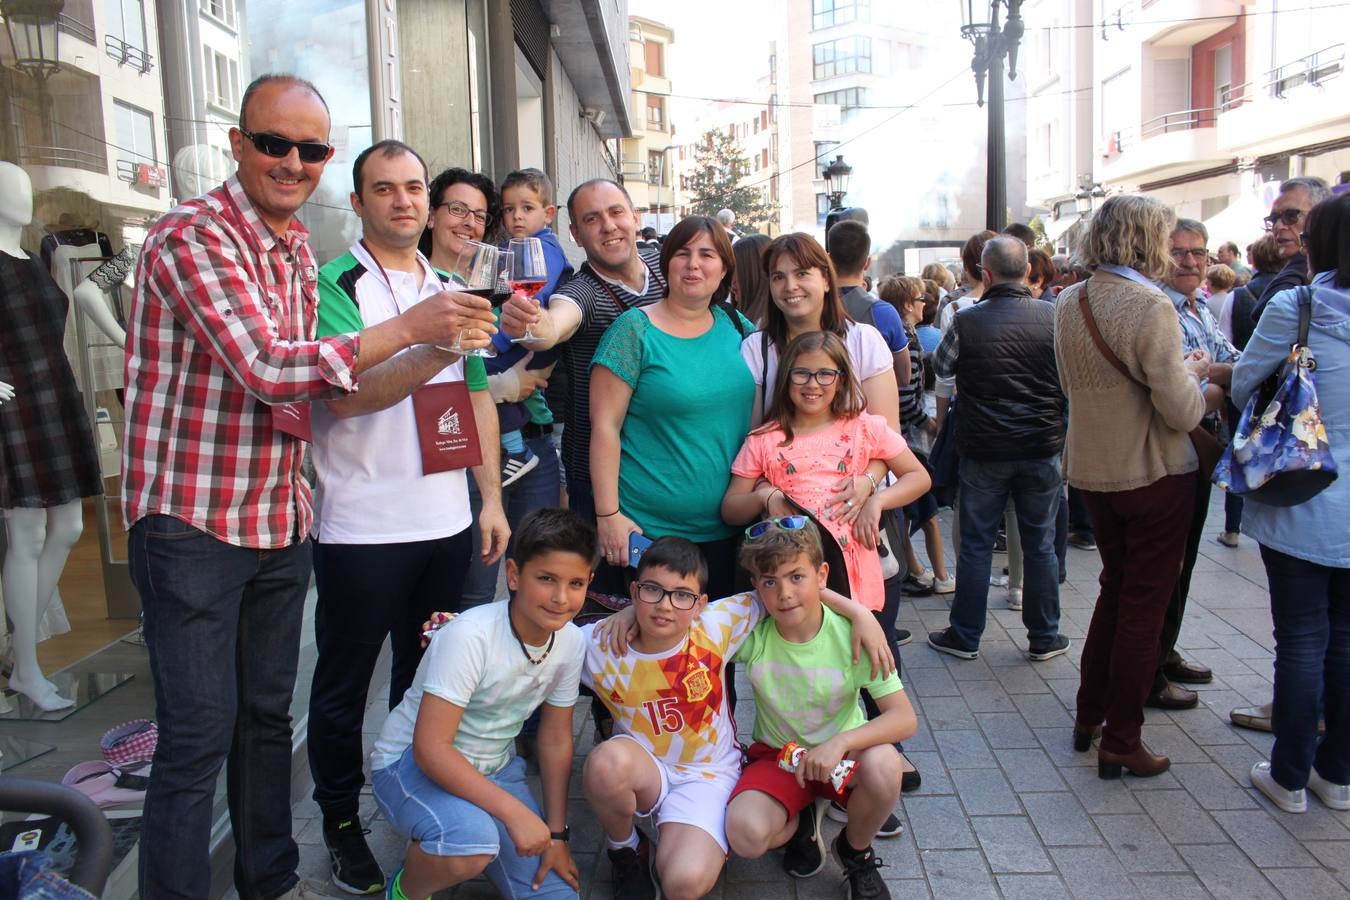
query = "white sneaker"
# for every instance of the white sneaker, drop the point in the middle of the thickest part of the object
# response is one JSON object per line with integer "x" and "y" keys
{"x": 1336, "y": 796}
{"x": 1014, "y": 598}
{"x": 944, "y": 585}
{"x": 1289, "y": 801}
{"x": 998, "y": 580}
{"x": 924, "y": 577}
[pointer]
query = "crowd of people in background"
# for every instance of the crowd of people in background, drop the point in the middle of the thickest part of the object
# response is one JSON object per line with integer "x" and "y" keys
{"x": 727, "y": 441}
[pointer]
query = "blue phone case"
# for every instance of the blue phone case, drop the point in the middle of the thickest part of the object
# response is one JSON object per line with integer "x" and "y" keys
{"x": 636, "y": 545}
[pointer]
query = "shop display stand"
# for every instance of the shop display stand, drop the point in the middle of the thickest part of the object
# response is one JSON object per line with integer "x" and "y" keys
{"x": 82, "y": 687}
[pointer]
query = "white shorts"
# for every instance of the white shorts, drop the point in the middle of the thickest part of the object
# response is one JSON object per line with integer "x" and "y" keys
{"x": 692, "y": 795}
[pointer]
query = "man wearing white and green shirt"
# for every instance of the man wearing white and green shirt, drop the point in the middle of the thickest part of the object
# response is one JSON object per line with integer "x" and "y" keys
{"x": 391, "y": 544}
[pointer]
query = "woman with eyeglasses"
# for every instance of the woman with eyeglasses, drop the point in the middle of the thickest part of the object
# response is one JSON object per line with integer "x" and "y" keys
{"x": 464, "y": 207}
{"x": 670, "y": 405}
{"x": 1128, "y": 451}
{"x": 1306, "y": 548}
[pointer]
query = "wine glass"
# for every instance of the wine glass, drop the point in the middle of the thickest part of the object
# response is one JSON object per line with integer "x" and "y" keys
{"x": 484, "y": 271}
{"x": 529, "y": 273}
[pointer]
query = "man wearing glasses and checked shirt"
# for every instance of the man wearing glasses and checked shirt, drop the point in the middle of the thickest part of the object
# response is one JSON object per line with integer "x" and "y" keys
{"x": 222, "y": 359}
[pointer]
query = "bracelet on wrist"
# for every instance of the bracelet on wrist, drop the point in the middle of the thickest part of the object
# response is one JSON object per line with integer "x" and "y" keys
{"x": 608, "y": 515}
{"x": 875, "y": 486}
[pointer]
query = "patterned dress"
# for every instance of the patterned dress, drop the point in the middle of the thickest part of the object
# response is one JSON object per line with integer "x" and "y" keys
{"x": 47, "y": 444}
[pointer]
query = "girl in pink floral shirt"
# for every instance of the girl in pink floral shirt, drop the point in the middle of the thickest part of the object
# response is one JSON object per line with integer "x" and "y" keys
{"x": 816, "y": 431}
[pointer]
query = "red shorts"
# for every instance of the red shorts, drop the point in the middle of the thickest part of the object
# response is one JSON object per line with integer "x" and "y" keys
{"x": 763, "y": 774}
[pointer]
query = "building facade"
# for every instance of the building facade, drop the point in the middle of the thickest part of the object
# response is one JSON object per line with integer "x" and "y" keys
{"x": 1204, "y": 104}
{"x": 645, "y": 157}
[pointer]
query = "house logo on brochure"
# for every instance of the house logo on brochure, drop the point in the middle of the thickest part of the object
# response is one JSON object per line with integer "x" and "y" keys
{"x": 448, "y": 423}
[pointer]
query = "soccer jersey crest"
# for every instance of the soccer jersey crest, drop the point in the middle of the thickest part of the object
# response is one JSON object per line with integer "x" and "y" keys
{"x": 698, "y": 684}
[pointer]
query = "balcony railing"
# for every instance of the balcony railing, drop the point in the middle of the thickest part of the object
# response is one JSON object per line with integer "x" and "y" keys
{"x": 77, "y": 29}
{"x": 69, "y": 157}
{"x": 127, "y": 55}
{"x": 1182, "y": 120}
{"x": 1315, "y": 68}
{"x": 1235, "y": 95}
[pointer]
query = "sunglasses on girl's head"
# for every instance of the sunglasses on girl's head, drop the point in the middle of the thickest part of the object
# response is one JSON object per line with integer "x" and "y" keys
{"x": 277, "y": 146}
{"x": 782, "y": 523}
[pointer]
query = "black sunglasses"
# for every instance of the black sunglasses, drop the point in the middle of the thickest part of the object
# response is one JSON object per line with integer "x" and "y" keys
{"x": 1289, "y": 217}
{"x": 280, "y": 147}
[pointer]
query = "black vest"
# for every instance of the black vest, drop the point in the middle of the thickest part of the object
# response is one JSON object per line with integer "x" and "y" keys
{"x": 1011, "y": 404}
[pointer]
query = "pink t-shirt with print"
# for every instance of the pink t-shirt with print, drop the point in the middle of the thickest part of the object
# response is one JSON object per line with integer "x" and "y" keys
{"x": 807, "y": 470}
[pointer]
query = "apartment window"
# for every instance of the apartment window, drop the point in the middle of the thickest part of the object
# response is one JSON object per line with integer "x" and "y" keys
{"x": 1223, "y": 76}
{"x": 822, "y": 208}
{"x": 847, "y": 99}
{"x": 135, "y": 133}
{"x": 655, "y": 58}
{"x": 764, "y": 118}
{"x": 220, "y": 10}
{"x": 222, "y": 81}
{"x": 656, "y": 112}
{"x": 1115, "y": 108}
{"x": 841, "y": 57}
{"x": 825, "y": 13}
{"x": 755, "y": 123}
{"x": 764, "y": 157}
{"x": 126, "y": 22}
{"x": 656, "y": 167}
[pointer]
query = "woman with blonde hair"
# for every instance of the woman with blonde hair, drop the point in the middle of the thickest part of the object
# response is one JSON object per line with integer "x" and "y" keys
{"x": 1132, "y": 401}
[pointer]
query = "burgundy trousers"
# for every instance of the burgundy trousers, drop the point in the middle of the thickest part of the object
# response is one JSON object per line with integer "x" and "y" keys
{"x": 1141, "y": 536}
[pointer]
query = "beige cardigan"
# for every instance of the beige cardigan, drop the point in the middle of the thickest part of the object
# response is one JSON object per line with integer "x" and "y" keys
{"x": 1122, "y": 437}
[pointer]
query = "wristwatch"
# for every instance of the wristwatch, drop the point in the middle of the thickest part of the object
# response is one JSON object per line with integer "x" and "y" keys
{"x": 564, "y": 835}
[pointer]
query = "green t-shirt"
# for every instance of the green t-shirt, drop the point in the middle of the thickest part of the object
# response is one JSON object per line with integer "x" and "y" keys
{"x": 808, "y": 692}
{"x": 688, "y": 416}
{"x": 342, "y": 284}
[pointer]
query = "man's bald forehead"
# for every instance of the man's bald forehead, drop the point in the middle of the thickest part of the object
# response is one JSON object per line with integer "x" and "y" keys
{"x": 274, "y": 85}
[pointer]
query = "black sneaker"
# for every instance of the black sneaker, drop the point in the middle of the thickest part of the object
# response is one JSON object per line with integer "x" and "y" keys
{"x": 516, "y": 465}
{"x": 633, "y": 870}
{"x": 1056, "y": 646}
{"x": 804, "y": 853}
{"x": 913, "y": 587}
{"x": 354, "y": 867}
{"x": 903, "y": 636}
{"x": 1081, "y": 540}
{"x": 941, "y": 641}
{"x": 892, "y": 827}
{"x": 862, "y": 875}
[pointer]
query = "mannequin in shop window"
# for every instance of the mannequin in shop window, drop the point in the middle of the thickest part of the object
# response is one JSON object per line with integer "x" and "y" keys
{"x": 47, "y": 450}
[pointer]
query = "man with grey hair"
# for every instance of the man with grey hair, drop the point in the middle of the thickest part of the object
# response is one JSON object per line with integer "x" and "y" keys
{"x": 1009, "y": 433}
{"x": 1200, "y": 333}
{"x": 1285, "y": 223}
{"x": 727, "y": 219}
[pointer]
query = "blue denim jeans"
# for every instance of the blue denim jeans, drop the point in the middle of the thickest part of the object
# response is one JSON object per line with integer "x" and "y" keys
{"x": 222, "y": 624}
{"x": 1034, "y": 486}
{"x": 538, "y": 488}
{"x": 1310, "y": 604}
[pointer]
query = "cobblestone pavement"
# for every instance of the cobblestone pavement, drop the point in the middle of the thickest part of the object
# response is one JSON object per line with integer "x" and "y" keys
{"x": 1008, "y": 809}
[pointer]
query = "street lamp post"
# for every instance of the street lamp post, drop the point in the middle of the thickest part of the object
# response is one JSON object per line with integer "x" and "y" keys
{"x": 31, "y": 26}
{"x": 836, "y": 181}
{"x": 980, "y": 25}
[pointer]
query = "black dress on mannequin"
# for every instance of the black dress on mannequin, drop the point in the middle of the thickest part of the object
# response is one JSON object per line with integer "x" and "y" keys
{"x": 47, "y": 446}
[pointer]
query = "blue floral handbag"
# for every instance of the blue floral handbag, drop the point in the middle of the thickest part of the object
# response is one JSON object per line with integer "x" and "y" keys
{"x": 1279, "y": 455}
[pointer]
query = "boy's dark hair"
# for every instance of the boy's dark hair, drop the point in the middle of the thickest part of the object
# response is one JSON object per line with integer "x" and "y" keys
{"x": 548, "y": 530}
{"x": 385, "y": 148}
{"x": 679, "y": 555}
{"x": 848, "y": 244}
{"x": 533, "y": 179}
{"x": 778, "y": 545}
{"x": 1022, "y": 232}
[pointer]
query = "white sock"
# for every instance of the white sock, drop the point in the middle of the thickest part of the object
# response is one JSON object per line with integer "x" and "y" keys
{"x": 630, "y": 842}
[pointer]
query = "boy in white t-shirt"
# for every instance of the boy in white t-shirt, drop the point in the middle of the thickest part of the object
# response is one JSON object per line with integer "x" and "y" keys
{"x": 674, "y": 754}
{"x": 442, "y": 771}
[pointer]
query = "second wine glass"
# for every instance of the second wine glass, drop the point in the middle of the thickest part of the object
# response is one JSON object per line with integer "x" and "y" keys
{"x": 529, "y": 273}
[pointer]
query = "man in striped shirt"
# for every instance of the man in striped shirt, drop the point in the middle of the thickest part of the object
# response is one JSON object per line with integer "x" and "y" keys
{"x": 221, "y": 337}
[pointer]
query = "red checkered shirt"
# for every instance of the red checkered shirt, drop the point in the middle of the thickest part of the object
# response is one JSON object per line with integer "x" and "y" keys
{"x": 222, "y": 326}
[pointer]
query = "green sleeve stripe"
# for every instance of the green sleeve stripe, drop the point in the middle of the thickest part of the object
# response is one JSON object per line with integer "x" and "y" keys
{"x": 338, "y": 310}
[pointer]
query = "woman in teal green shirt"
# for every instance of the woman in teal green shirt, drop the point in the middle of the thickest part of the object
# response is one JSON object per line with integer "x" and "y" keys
{"x": 670, "y": 407}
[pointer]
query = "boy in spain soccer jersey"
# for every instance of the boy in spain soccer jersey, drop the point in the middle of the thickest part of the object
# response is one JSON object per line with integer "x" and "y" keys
{"x": 674, "y": 755}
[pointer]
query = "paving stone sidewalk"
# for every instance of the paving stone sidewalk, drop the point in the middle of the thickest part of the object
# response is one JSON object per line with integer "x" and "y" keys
{"x": 1007, "y": 809}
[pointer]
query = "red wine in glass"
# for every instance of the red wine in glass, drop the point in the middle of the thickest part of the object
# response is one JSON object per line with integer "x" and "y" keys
{"x": 530, "y": 287}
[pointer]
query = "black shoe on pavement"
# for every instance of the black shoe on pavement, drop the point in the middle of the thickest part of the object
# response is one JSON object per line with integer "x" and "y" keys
{"x": 632, "y": 869}
{"x": 1056, "y": 646}
{"x": 862, "y": 875}
{"x": 913, "y": 587}
{"x": 941, "y": 641}
{"x": 354, "y": 867}
{"x": 903, "y": 636}
{"x": 1082, "y": 540}
{"x": 892, "y": 827}
{"x": 804, "y": 853}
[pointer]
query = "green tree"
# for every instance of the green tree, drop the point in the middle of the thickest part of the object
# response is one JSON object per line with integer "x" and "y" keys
{"x": 715, "y": 182}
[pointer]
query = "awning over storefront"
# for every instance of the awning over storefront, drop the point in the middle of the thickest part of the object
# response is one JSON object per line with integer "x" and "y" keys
{"x": 1056, "y": 228}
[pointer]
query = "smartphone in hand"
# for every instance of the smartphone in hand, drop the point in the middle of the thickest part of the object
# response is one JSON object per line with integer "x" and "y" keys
{"x": 637, "y": 544}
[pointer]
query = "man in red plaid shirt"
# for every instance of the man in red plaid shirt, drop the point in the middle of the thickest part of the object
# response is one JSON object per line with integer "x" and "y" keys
{"x": 221, "y": 338}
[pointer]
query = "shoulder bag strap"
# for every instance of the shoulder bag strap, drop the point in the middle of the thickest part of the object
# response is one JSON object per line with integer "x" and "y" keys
{"x": 1305, "y": 298}
{"x": 1102, "y": 346}
{"x": 764, "y": 371}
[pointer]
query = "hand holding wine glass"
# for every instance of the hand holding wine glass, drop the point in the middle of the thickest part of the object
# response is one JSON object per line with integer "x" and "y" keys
{"x": 484, "y": 271}
{"x": 529, "y": 273}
